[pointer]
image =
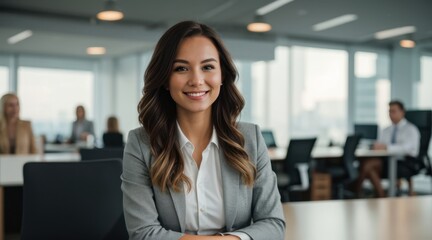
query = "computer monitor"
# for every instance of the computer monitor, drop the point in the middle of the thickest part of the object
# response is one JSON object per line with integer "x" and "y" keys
{"x": 269, "y": 138}
{"x": 366, "y": 131}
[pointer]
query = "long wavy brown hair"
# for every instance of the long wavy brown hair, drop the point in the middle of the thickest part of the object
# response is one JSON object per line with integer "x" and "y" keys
{"x": 3, "y": 121}
{"x": 157, "y": 110}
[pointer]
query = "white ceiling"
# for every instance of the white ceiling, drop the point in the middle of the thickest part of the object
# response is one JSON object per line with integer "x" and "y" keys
{"x": 67, "y": 27}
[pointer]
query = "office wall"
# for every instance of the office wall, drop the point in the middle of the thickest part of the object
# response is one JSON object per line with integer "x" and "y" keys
{"x": 105, "y": 95}
{"x": 405, "y": 73}
{"x": 127, "y": 91}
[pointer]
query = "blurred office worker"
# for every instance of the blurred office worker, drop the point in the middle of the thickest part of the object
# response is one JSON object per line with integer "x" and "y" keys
{"x": 192, "y": 171}
{"x": 112, "y": 137}
{"x": 401, "y": 139}
{"x": 16, "y": 135}
{"x": 81, "y": 128}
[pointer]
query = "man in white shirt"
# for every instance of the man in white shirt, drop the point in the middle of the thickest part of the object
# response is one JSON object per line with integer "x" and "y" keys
{"x": 401, "y": 139}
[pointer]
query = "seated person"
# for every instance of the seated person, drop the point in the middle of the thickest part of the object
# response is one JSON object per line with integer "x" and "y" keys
{"x": 16, "y": 135}
{"x": 82, "y": 127}
{"x": 401, "y": 139}
{"x": 112, "y": 137}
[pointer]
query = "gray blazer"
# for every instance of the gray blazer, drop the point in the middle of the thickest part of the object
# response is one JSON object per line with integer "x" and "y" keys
{"x": 87, "y": 127}
{"x": 153, "y": 214}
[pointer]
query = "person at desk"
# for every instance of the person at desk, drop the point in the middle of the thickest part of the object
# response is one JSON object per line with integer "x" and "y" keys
{"x": 81, "y": 128}
{"x": 192, "y": 171}
{"x": 401, "y": 139}
{"x": 16, "y": 135}
{"x": 112, "y": 137}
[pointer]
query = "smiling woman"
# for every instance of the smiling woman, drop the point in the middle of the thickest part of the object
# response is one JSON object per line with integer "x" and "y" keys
{"x": 192, "y": 171}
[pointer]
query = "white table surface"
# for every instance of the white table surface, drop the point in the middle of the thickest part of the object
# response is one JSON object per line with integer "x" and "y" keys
{"x": 11, "y": 173}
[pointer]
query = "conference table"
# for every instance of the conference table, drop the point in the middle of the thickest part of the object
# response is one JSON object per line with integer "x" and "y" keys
{"x": 404, "y": 218}
{"x": 11, "y": 172}
{"x": 323, "y": 153}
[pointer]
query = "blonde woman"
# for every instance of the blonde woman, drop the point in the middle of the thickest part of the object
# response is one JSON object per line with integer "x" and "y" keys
{"x": 16, "y": 135}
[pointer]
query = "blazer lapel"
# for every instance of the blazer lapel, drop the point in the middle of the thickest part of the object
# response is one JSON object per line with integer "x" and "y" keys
{"x": 230, "y": 185}
{"x": 179, "y": 201}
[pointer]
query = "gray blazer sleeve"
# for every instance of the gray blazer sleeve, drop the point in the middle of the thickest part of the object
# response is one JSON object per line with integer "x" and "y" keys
{"x": 91, "y": 128}
{"x": 267, "y": 213}
{"x": 140, "y": 212}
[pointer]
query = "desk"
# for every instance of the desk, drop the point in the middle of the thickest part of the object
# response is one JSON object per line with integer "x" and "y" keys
{"x": 320, "y": 153}
{"x": 373, "y": 219}
{"x": 61, "y": 148}
{"x": 278, "y": 154}
{"x": 11, "y": 172}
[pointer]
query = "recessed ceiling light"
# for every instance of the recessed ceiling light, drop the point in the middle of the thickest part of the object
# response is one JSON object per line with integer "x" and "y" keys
{"x": 20, "y": 36}
{"x": 334, "y": 22}
{"x": 407, "y": 43}
{"x": 110, "y": 15}
{"x": 394, "y": 32}
{"x": 96, "y": 50}
{"x": 259, "y": 27}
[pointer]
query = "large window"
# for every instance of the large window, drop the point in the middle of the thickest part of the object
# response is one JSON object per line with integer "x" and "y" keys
{"x": 4, "y": 80}
{"x": 372, "y": 88}
{"x": 264, "y": 84}
{"x": 424, "y": 96}
{"x": 319, "y": 90}
{"x": 49, "y": 97}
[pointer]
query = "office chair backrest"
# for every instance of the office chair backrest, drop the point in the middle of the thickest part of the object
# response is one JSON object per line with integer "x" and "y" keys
{"x": 73, "y": 200}
{"x": 269, "y": 138}
{"x": 101, "y": 153}
{"x": 348, "y": 156}
{"x": 422, "y": 119}
{"x": 299, "y": 151}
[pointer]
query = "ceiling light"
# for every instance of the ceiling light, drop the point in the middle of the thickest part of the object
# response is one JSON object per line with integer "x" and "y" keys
{"x": 259, "y": 25}
{"x": 110, "y": 12}
{"x": 96, "y": 50}
{"x": 272, "y": 6}
{"x": 395, "y": 32}
{"x": 20, "y": 36}
{"x": 407, "y": 43}
{"x": 334, "y": 22}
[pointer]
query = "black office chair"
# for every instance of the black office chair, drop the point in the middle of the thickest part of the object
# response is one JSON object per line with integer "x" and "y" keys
{"x": 73, "y": 200}
{"x": 345, "y": 173}
{"x": 269, "y": 138}
{"x": 101, "y": 153}
{"x": 299, "y": 151}
{"x": 422, "y": 119}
